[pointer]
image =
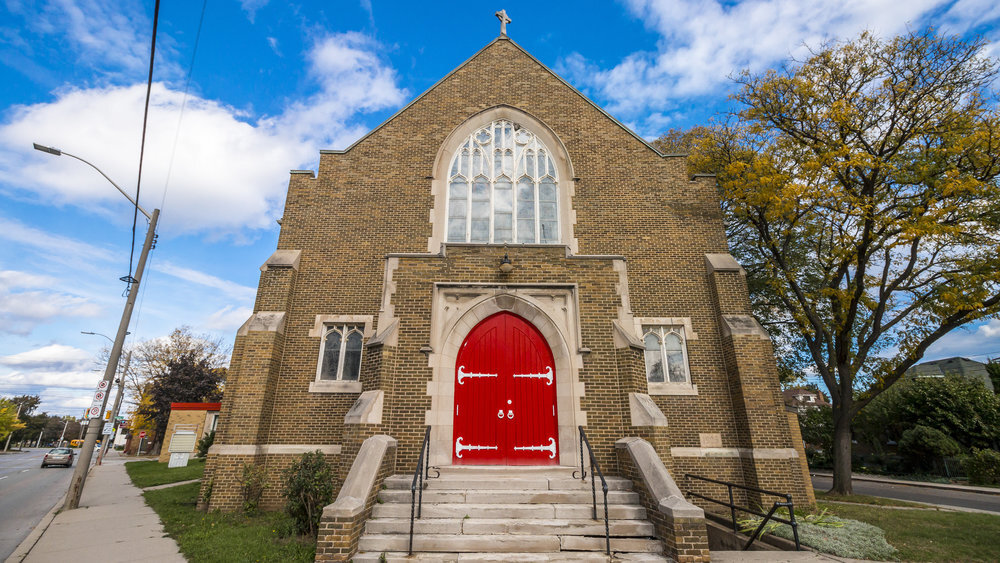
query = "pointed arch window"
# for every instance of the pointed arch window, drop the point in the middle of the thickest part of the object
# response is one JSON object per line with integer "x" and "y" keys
{"x": 666, "y": 354}
{"x": 503, "y": 188}
{"x": 340, "y": 356}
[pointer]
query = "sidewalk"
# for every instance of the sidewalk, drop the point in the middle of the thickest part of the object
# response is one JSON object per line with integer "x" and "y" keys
{"x": 113, "y": 524}
{"x": 925, "y": 484}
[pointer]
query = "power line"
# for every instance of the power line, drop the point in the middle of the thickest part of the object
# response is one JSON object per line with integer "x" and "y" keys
{"x": 142, "y": 145}
{"x": 180, "y": 117}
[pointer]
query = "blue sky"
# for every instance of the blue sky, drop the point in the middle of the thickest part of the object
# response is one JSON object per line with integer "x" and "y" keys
{"x": 272, "y": 83}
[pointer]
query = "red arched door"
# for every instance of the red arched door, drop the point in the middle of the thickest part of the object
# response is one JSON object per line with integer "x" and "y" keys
{"x": 505, "y": 396}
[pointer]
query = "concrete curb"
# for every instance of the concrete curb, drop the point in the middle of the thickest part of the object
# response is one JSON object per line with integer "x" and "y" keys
{"x": 924, "y": 484}
{"x": 24, "y": 548}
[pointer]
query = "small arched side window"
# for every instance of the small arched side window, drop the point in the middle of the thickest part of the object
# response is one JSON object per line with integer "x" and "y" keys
{"x": 341, "y": 353}
{"x": 503, "y": 188}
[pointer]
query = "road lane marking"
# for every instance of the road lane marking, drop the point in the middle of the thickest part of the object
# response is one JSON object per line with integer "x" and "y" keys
{"x": 4, "y": 477}
{"x": 25, "y": 470}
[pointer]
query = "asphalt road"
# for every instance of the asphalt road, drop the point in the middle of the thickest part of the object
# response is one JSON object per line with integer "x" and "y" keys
{"x": 945, "y": 497}
{"x": 27, "y": 493}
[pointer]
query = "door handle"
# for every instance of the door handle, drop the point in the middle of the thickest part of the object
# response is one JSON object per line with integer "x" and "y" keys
{"x": 510, "y": 414}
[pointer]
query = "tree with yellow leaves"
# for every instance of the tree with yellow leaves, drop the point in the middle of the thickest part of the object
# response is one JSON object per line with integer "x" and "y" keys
{"x": 861, "y": 187}
{"x": 9, "y": 421}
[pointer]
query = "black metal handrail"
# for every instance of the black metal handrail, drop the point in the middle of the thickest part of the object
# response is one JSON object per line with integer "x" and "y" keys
{"x": 421, "y": 473}
{"x": 733, "y": 507}
{"x": 595, "y": 467}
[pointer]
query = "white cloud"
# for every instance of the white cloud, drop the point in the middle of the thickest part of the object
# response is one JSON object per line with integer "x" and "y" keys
{"x": 28, "y": 299}
{"x": 227, "y": 319}
{"x": 251, "y": 7}
{"x": 111, "y": 36}
{"x": 991, "y": 329}
{"x": 56, "y": 247}
{"x": 232, "y": 289}
{"x": 703, "y": 42}
{"x": 229, "y": 173}
{"x": 51, "y": 357}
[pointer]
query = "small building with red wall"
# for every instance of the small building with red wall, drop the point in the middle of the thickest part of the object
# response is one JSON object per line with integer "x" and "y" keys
{"x": 199, "y": 418}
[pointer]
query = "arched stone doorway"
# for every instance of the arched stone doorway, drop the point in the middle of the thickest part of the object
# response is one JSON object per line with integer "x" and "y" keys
{"x": 552, "y": 311}
{"x": 505, "y": 395}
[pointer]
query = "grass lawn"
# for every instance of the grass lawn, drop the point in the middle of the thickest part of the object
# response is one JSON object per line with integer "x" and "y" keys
{"x": 221, "y": 537}
{"x": 149, "y": 473}
{"x": 866, "y": 499}
{"x": 931, "y": 535}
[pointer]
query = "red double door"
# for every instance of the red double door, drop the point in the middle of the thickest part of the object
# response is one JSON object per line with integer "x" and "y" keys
{"x": 505, "y": 396}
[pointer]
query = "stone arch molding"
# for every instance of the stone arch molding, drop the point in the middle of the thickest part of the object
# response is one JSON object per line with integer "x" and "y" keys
{"x": 459, "y": 308}
{"x": 564, "y": 169}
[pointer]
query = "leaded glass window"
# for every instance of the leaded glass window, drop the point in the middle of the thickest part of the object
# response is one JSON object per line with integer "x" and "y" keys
{"x": 341, "y": 353}
{"x": 503, "y": 187}
{"x": 666, "y": 354}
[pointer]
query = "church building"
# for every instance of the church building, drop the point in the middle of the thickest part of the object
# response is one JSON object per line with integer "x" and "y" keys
{"x": 497, "y": 266}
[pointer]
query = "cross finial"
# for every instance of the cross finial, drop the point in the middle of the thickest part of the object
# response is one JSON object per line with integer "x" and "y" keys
{"x": 504, "y": 20}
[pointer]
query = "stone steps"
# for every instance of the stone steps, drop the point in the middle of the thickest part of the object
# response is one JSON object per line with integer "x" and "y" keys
{"x": 562, "y": 557}
{"x": 510, "y": 496}
{"x": 461, "y": 510}
{"x": 485, "y": 482}
{"x": 502, "y": 543}
{"x": 508, "y": 514}
{"x": 514, "y": 526}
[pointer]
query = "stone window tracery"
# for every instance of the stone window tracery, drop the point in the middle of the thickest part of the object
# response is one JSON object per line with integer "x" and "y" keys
{"x": 340, "y": 356}
{"x": 503, "y": 188}
{"x": 665, "y": 354}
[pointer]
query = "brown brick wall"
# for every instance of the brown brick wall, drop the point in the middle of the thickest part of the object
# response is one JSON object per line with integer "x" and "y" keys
{"x": 190, "y": 418}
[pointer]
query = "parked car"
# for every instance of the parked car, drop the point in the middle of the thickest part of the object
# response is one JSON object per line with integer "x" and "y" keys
{"x": 58, "y": 456}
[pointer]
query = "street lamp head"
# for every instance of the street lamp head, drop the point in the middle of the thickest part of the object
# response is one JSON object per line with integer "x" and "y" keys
{"x": 50, "y": 150}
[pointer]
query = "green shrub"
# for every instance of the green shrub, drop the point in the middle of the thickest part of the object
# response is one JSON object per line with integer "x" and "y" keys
{"x": 252, "y": 486}
{"x": 205, "y": 443}
{"x": 308, "y": 487}
{"x": 922, "y": 445}
{"x": 841, "y": 536}
{"x": 982, "y": 467}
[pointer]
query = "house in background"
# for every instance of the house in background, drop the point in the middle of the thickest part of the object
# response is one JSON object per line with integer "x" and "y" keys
{"x": 803, "y": 399}
{"x": 188, "y": 423}
{"x": 958, "y": 366}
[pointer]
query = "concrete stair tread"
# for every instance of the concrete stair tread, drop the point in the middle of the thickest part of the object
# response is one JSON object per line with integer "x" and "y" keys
{"x": 547, "y": 496}
{"x": 464, "y": 543}
{"x": 548, "y": 510}
{"x": 505, "y": 483}
{"x": 496, "y": 543}
{"x": 619, "y": 528}
{"x": 560, "y": 557}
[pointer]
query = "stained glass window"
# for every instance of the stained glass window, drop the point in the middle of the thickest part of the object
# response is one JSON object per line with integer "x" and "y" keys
{"x": 502, "y": 188}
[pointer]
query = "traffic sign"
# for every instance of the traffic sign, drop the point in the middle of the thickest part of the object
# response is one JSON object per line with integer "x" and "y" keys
{"x": 142, "y": 434}
{"x": 103, "y": 385}
{"x": 94, "y": 412}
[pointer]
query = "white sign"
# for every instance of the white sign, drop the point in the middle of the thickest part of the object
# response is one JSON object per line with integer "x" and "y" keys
{"x": 103, "y": 385}
{"x": 178, "y": 460}
{"x": 99, "y": 396}
{"x": 95, "y": 411}
{"x": 107, "y": 428}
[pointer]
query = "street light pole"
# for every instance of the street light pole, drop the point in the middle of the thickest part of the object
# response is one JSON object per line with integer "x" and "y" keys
{"x": 94, "y": 428}
{"x": 63, "y": 433}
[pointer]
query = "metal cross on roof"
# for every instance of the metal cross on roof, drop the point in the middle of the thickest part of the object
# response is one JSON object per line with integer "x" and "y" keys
{"x": 504, "y": 20}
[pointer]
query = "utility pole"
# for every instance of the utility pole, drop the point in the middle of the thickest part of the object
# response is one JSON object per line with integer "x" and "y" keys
{"x": 38, "y": 444}
{"x": 6, "y": 447}
{"x": 63, "y": 434}
{"x": 114, "y": 413}
{"x": 97, "y": 418}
